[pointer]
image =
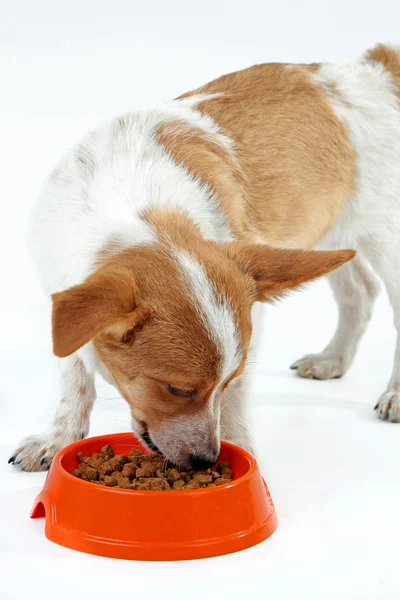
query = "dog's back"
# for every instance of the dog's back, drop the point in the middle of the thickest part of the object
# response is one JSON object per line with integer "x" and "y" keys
{"x": 312, "y": 139}
{"x": 288, "y": 151}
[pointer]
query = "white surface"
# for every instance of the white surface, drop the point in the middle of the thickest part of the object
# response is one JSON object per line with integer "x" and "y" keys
{"x": 332, "y": 468}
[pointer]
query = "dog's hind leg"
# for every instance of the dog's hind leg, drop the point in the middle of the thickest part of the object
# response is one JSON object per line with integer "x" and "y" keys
{"x": 385, "y": 259}
{"x": 355, "y": 288}
{"x": 71, "y": 421}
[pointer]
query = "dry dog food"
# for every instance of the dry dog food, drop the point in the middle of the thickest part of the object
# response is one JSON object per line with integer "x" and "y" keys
{"x": 145, "y": 472}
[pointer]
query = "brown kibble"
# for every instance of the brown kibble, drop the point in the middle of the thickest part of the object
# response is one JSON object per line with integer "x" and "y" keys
{"x": 178, "y": 484}
{"x": 135, "y": 452}
{"x": 146, "y": 484}
{"x": 224, "y": 465}
{"x": 129, "y": 470}
{"x": 88, "y": 471}
{"x": 141, "y": 486}
{"x": 225, "y": 472}
{"x": 142, "y": 480}
{"x": 107, "y": 451}
{"x": 158, "y": 484}
{"x": 115, "y": 464}
{"x": 82, "y": 458}
{"x": 146, "y": 457}
{"x": 105, "y": 469}
{"x": 95, "y": 463}
{"x": 121, "y": 458}
{"x": 202, "y": 479}
{"x": 204, "y": 472}
{"x": 149, "y": 469}
{"x": 173, "y": 475}
{"x": 193, "y": 485}
{"x": 145, "y": 472}
{"x": 124, "y": 482}
{"x": 98, "y": 456}
{"x": 221, "y": 481}
{"x": 110, "y": 480}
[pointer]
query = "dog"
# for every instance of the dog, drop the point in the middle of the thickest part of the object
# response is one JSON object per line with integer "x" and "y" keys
{"x": 160, "y": 233}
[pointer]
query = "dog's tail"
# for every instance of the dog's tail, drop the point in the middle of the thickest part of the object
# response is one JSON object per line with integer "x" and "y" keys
{"x": 389, "y": 57}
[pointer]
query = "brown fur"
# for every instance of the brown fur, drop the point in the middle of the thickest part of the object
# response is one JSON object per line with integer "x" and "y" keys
{"x": 389, "y": 57}
{"x": 149, "y": 335}
{"x": 209, "y": 161}
{"x": 297, "y": 162}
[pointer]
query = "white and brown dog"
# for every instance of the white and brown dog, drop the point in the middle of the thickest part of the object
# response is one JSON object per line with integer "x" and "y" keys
{"x": 159, "y": 233}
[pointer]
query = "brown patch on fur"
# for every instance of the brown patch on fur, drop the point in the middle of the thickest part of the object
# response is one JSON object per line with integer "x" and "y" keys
{"x": 109, "y": 303}
{"x": 173, "y": 347}
{"x": 335, "y": 93}
{"x": 208, "y": 160}
{"x": 145, "y": 324}
{"x": 389, "y": 57}
{"x": 296, "y": 159}
{"x": 82, "y": 311}
{"x": 275, "y": 271}
{"x": 174, "y": 227}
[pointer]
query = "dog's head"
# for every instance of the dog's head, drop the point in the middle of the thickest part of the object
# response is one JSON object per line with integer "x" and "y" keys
{"x": 173, "y": 328}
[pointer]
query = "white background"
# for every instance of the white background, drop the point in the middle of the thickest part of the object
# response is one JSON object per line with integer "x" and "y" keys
{"x": 332, "y": 468}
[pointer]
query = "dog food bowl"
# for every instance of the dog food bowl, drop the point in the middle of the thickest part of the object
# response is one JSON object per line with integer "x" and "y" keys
{"x": 152, "y": 525}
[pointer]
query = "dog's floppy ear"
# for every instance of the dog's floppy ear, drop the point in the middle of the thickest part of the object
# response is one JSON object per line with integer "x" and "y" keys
{"x": 275, "y": 270}
{"x": 105, "y": 302}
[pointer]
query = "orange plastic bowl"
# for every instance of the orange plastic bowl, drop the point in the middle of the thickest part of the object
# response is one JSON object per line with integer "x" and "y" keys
{"x": 147, "y": 525}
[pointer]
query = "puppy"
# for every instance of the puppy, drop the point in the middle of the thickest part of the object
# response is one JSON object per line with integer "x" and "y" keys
{"x": 160, "y": 233}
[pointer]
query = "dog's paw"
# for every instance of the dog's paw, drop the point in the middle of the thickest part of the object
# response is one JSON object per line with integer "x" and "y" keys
{"x": 388, "y": 406}
{"x": 35, "y": 453}
{"x": 320, "y": 366}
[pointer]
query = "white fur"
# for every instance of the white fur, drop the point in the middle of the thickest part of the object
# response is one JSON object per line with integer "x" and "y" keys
{"x": 215, "y": 312}
{"x": 368, "y": 105}
{"x": 219, "y": 320}
{"x": 235, "y": 402}
{"x": 96, "y": 195}
{"x": 98, "y": 191}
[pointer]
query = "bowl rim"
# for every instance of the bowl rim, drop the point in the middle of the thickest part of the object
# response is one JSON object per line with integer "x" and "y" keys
{"x": 108, "y": 489}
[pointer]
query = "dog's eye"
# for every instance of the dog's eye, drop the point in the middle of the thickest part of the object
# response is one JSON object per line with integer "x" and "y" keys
{"x": 180, "y": 392}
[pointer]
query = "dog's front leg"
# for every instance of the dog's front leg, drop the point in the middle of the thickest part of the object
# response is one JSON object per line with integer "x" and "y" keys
{"x": 71, "y": 421}
{"x": 235, "y": 403}
{"x": 235, "y": 418}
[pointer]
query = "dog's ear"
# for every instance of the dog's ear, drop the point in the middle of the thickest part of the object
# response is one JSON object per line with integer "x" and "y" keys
{"x": 105, "y": 302}
{"x": 275, "y": 270}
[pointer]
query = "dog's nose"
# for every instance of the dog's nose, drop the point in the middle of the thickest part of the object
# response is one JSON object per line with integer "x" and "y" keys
{"x": 203, "y": 462}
